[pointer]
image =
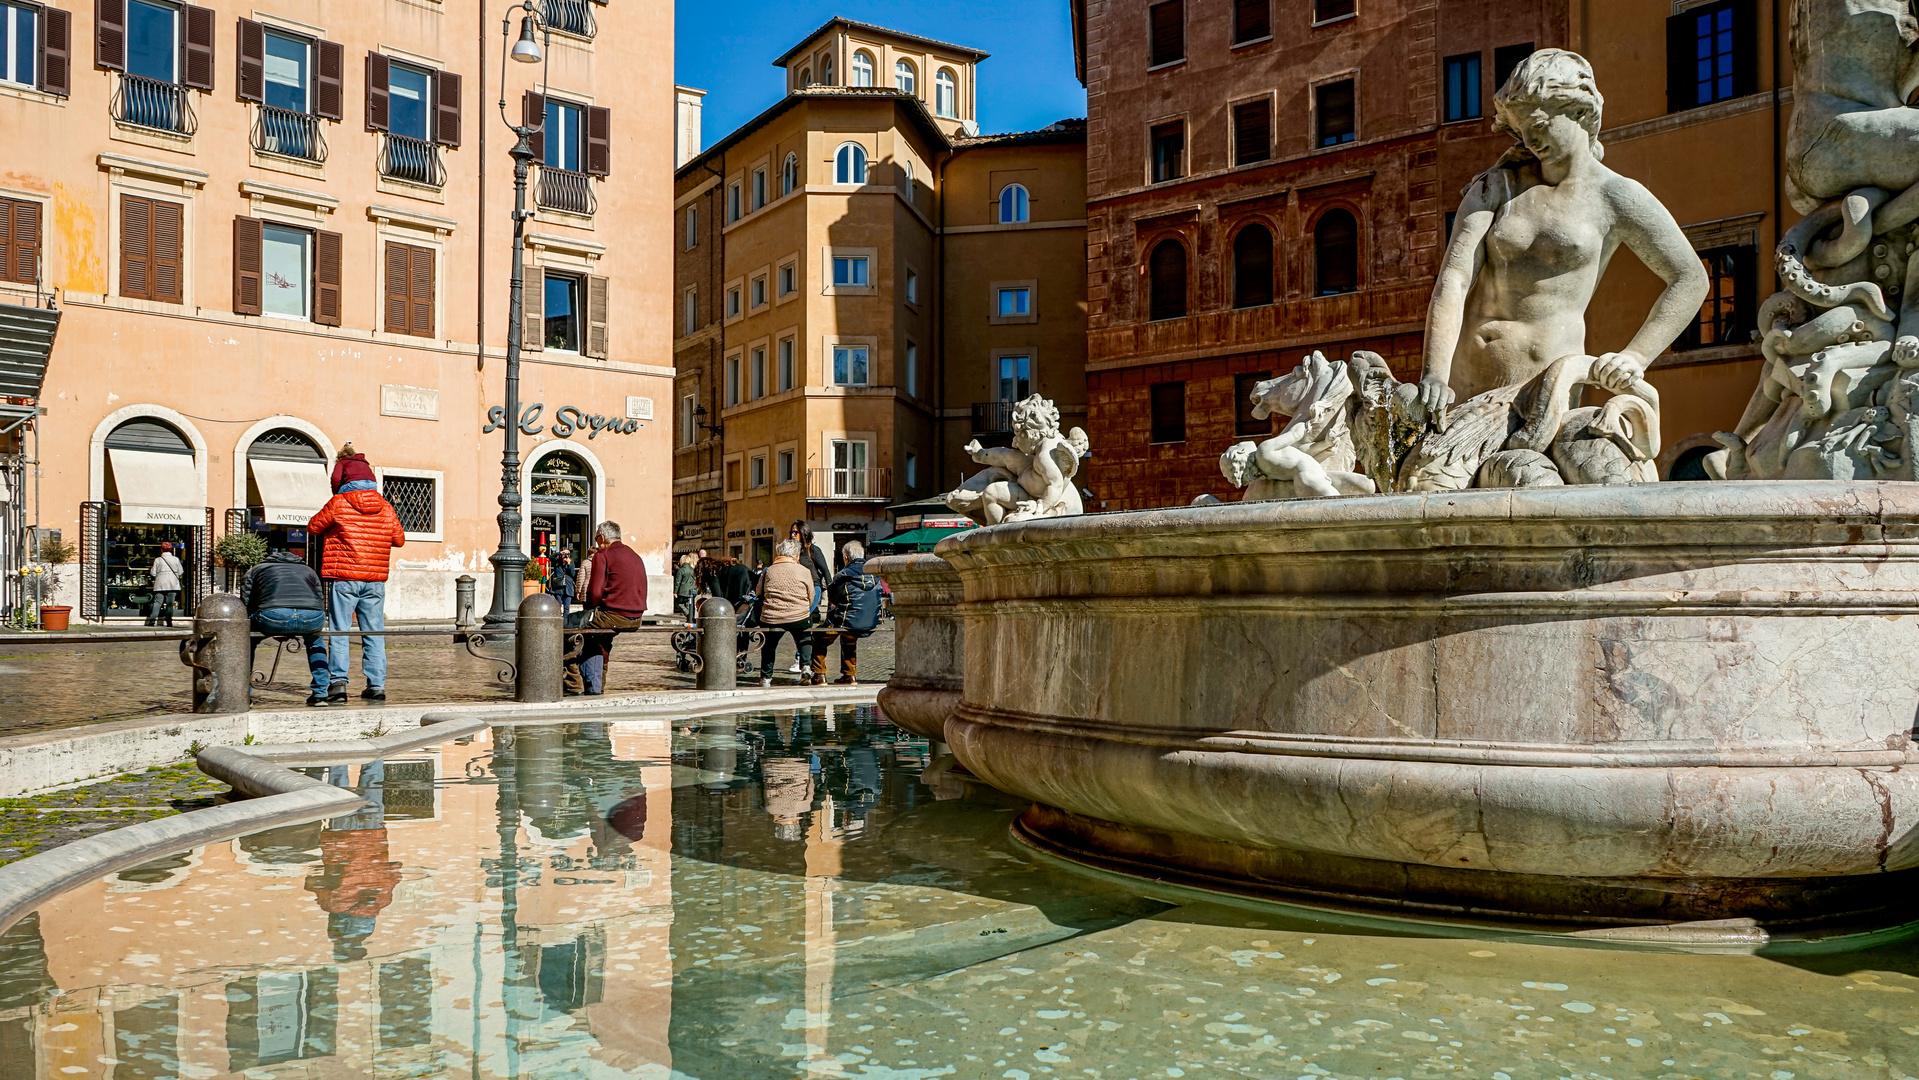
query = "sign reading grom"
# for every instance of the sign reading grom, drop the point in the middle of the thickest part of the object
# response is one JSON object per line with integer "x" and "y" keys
{"x": 566, "y": 421}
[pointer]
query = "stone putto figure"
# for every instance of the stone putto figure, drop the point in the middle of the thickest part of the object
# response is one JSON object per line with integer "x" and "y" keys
{"x": 1314, "y": 453}
{"x": 1030, "y": 479}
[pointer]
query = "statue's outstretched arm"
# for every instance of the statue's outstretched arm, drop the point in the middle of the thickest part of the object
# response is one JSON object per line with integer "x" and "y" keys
{"x": 1004, "y": 457}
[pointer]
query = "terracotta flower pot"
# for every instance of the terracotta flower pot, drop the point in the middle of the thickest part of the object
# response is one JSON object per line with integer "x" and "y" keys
{"x": 531, "y": 588}
{"x": 55, "y": 617}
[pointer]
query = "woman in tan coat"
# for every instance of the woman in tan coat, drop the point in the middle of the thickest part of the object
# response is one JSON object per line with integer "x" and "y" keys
{"x": 788, "y": 596}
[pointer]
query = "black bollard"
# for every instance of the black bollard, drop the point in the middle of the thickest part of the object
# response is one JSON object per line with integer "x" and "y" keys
{"x": 719, "y": 649}
{"x": 540, "y": 649}
{"x": 225, "y": 651}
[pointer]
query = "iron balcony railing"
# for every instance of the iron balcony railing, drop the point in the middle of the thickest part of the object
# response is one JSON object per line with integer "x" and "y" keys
{"x": 992, "y": 417}
{"x": 564, "y": 189}
{"x": 571, "y": 17}
{"x": 849, "y": 485}
{"x": 150, "y": 103}
{"x": 417, "y": 161}
{"x": 288, "y": 133}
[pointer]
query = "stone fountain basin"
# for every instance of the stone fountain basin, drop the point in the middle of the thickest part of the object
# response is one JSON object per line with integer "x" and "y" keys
{"x": 1592, "y": 705}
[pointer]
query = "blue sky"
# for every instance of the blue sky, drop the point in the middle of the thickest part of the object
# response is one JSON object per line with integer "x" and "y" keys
{"x": 727, "y": 49}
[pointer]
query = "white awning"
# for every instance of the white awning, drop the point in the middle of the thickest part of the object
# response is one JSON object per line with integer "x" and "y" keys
{"x": 291, "y": 491}
{"x": 158, "y": 489}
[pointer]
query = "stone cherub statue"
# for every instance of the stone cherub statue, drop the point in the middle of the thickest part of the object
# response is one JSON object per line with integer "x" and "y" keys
{"x": 1030, "y": 479}
{"x": 1314, "y": 453}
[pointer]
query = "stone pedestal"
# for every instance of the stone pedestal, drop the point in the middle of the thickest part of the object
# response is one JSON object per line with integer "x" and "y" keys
{"x": 929, "y": 642}
{"x": 1577, "y": 706}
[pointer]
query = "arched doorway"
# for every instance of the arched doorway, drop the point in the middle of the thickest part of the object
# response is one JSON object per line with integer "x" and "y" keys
{"x": 152, "y": 495}
{"x": 561, "y": 503}
{"x": 286, "y": 485}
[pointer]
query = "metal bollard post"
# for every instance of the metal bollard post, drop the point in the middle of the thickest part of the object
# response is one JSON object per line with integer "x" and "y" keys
{"x": 226, "y": 653}
{"x": 540, "y": 649}
{"x": 463, "y": 601}
{"x": 719, "y": 650}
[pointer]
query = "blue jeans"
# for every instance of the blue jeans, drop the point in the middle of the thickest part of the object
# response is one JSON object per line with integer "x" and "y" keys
{"x": 357, "y": 485}
{"x": 307, "y": 625}
{"x": 368, "y": 600}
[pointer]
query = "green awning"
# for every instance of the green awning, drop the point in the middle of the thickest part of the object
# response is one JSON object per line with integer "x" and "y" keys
{"x": 922, "y": 539}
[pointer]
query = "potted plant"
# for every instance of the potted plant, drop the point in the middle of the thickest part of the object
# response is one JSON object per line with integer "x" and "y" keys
{"x": 241, "y": 551}
{"x": 533, "y": 579}
{"x": 53, "y": 554}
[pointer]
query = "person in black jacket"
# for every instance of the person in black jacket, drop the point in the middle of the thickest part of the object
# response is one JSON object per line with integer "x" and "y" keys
{"x": 811, "y": 556}
{"x": 283, "y": 597}
{"x": 852, "y": 612}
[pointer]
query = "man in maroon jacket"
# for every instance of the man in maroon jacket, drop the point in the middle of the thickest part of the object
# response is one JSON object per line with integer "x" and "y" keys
{"x": 615, "y": 599}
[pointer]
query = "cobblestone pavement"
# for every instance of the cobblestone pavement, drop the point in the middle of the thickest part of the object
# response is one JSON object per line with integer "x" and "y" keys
{"x": 32, "y": 825}
{"x": 58, "y": 686}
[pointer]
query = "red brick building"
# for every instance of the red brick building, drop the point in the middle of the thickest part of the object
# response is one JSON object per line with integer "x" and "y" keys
{"x": 1265, "y": 178}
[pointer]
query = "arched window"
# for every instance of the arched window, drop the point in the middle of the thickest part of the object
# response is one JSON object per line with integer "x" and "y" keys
{"x": 1336, "y": 254}
{"x": 806, "y": 76}
{"x": 1166, "y": 273}
{"x": 850, "y": 164}
{"x": 1691, "y": 464}
{"x": 1013, "y": 204}
{"x": 790, "y": 174}
{"x": 903, "y": 76}
{"x": 1253, "y": 267}
{"x": 862, "y": 68}
{"x": 906, "y": 173}
{"x": 826, "y": 69}
{"x": 945, "y": 93}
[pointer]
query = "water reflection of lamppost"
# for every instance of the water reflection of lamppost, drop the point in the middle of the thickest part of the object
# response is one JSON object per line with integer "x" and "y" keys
{"x": 509, "y": 562}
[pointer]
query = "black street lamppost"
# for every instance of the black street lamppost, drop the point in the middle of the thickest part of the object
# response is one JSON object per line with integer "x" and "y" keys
{"x": 509, "y": 561}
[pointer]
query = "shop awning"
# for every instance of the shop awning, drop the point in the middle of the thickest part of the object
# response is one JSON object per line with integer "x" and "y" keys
{"x": 920, "y": 539}
{"x": 291, "y": 492}
{"x": 158, "y": 489}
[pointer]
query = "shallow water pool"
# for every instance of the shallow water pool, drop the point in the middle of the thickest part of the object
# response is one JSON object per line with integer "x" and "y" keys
{"x": 784, "y": 895}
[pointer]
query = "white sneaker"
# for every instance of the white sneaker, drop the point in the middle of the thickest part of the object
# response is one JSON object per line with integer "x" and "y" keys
{"x": 795, "y": 669}
{"x": 766, "y": 682}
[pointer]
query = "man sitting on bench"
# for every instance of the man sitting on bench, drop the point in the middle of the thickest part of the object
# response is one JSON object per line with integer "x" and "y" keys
{"x": 615, "y": 599}
{"x": 283, "y": 598}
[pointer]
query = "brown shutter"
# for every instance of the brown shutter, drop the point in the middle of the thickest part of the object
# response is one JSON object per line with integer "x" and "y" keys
{"x": 533, "y": 115}
{"x": 329, "y": 80}
{"x": 533, "y": 338}
{"x": 19, "y": 241}
{"x": 6, "y": 239}
{"x": 196, "y": 48}
{"x": 446, "y": 108}
{"x": 247, "y": 258}
{"x": 136, "y": 247}
{"x": 250, "y": 81}
{"x": 326, "y": 278}
{"x": 56, "y": 51}
{"x": 1169, "y": 32}
{"x": 421, "y": 291}
{"x": 167, "y": 249}
{"x": 397, "y": 276}
{"x": 110, "y": 34}
{"x": 599, "y": 137}
{"x": 1252, "y": 132}
{"x": 379, "y": 101}
{"x": 596, "y": 317}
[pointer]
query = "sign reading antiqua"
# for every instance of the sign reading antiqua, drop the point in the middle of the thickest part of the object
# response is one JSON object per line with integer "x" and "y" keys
{"x": 566, "y": 420}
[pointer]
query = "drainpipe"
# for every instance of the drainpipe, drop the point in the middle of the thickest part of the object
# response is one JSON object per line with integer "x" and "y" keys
{"x": 479, "y": 306}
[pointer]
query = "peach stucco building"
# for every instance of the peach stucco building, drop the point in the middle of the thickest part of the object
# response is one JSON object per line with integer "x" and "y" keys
{"x": 274, "y": 229}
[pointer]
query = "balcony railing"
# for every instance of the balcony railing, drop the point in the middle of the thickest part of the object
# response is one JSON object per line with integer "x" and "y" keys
{"x": 150, "y": 103}
{"x": 992, "y": 417}
{"x": 416, "y": 161}
{"x": 288, "y": 133}
{"x": 564, "y": 189}
{"x": 571, "y": 16}
{"x": 849, "y": 485}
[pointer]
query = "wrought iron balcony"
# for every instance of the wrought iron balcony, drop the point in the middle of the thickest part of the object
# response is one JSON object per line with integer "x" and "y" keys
{"x": 571, "y": 17}
{"x": 992, "y": 417}
{"x": 849, "y": 485}
{"x": 564, "y": 189}
{"x": 150, "y": 103}
{"x": 416, "y": 161}
{"x": 288, "y": 134}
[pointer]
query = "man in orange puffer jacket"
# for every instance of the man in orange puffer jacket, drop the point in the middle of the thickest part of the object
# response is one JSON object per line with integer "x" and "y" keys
{"x": 360, "y": 531}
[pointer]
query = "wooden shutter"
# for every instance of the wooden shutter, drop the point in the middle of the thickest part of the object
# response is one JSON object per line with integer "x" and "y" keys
{"x": 599, "y": 137}
{"x": 56, "y": 51}
{"x": 247, "y": 259}
{"x": 196, "y": 48}
{"x": 1252, "y": 132}
{"x": 1252, "y": 19}
{"x": 533, "y": 337}
{"x": 398, "y": 274}
{"x": 167, "y": 251}
{"x": 379, "y": 99}
{"x": 19, "y": 241}
{"x": 596, "y": 303}
{"x": 1745, "y": 45}
{"x": 446, "y": 108}
{"x": 250, "y": 80}
{"x": 326, "y": 278}
{"x": 533, "y": 115}
{"x": 329, "y": 80}
{"x": 420, "y": 291}
{"x": 6, "y": 239}
{"x": 136, "y": 247}
{"x": 1169, "y": 32}
{"x": 1682, "y": 90}
{"x": 110, "y": 34}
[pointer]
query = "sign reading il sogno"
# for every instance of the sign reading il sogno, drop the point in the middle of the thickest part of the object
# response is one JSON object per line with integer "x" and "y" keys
{"x": 566, "y": 421}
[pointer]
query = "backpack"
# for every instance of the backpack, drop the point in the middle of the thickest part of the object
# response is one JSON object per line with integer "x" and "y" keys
{"x": 861, "y": 613}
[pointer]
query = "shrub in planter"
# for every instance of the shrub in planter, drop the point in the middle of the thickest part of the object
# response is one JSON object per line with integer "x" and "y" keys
{"x": 241, "y": 550}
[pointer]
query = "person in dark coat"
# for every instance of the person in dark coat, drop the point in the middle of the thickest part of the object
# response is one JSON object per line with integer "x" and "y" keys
{"x": 283, "y": 596}
{"x": 843, "y": 624}
{"x": 811, "y": 556}
{"x": 560, "y": 579}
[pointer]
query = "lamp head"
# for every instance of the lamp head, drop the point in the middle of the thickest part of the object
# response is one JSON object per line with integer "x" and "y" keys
{"x": 527, "y": 49}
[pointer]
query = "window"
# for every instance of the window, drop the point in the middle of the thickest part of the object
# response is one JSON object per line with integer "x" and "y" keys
{"x": 945, "y": 94}
{"x": 789, "y": 279}
{"x": 1336, "y": 254}
{"x": 1244, "y": 422}
{"x": 1015, "y": 302}
{"x": 912, "y": 470}
{"x": 286, "y": 272}
{"x": 826, "y": 69}
{"x": 1252, "y": 20}
{"x": 756, "y": 372}
{"x": 692, "y": 300}
{"x": 153, "y": 49}
{"x": 1014, "y": 204}
{"x": 849, "y": 365}
{"x": 1333, "y": 104}
{"x": 759, "y": 188}
{"x": 1166, "y": 273}
{"x": 563, "y": 139}
{"x": 409, "y": 101}
{"x": 20, "y": 241}
{"x": 1327, "y": 10}
{"x": 1506, "y": 58}
{"x": 1167, "y": 24}
{"x": 912, "y": 287}
{"x": 733, "y": 302}
{"x": 1462, "y": 88}
{"x": 734, "y": 208}
{"x": 150, "y": 249}
{"x": 689, "y": 419}
{"x": 1711, "y": 54}
{"x": 19, "y": 44}
{"x": 786, "y": 462}
{"x": 286, "y": 72}
{"x": 561, "y": 301}
{"x": 756, "y": 473}
{"x": 732, "y": 377}
{"x": 906, "y": 177}
{"x": 1728, "y": 316}
{"x": 912, "y": 369}
{"x": 903, "y": 76}
{"x": 849, "y": 468}
{"x": 849, "y": 270}
{"x": 1169, "y": 412}
{"x": 1252, "y": 131}
{"x": 849, "y": 165}
{"x": 806, "y": 76}
{"x": 692, "y": 227}
{"x": 1253, "y": 267}
{"x": 786, "y": 364}
{"x": 862, "y": 68}
{"x": 1015, "y": 378}
{"x": 287, "y": 262}
{"x": 733, "y": 482}
{"x": 790, "y": 174}
{"x": 409, "y": 290}
{"x": 1169, "y": 151}
{"x": 759, "y": 292}
{"x": 414, "y": 501}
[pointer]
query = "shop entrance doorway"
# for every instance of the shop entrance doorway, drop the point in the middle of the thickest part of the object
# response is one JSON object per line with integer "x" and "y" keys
{"x": 153, "y": 496}
{"x": 286, "y": 485}
{"x": 562, "y": 505}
